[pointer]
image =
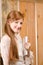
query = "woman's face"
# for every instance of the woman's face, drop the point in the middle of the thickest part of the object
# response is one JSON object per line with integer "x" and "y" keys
{"x": 16, "y": 25}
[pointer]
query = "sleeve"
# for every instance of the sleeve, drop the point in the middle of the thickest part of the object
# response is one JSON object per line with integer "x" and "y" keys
{"x": 5, "y": 44}
{"x": 25, "y": 51}
{"x": 29, "y": 60}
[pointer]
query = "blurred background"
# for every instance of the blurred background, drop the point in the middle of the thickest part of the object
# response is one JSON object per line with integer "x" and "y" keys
{"x": 32, "y": 25}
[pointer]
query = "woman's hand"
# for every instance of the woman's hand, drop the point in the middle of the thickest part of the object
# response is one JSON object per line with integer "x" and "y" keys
{"x": 27, "y": 46}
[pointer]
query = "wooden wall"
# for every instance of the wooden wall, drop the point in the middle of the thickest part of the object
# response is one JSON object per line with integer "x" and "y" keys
{"x": 40, "y": 32}
{"x": 29, "y": 17}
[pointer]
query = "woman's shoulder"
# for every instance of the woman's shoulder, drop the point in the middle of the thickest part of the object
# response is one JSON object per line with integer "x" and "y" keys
{"x": 5, "y": 39}
{"x": 5, "y": 43}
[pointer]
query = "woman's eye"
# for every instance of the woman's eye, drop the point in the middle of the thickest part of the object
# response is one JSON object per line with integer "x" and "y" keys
{"x": 21, "y": 23}
{"x": 16, "y": 22}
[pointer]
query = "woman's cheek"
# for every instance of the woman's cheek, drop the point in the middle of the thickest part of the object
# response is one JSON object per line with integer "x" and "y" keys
{"x": 14, "y": 26}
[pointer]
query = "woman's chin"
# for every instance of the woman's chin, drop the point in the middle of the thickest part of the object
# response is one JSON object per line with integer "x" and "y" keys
{"x": 16, "y": 31}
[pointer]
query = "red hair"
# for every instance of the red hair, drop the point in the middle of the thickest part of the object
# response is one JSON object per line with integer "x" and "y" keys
{"x": 13, "y": 15}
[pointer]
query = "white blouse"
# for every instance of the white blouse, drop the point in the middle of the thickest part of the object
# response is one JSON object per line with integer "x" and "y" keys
{"x": 21, "y": 50}
{"x": 5, "y": 46}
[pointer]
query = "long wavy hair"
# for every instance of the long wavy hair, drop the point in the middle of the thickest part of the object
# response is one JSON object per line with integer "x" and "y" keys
{"x": 13, "y": 15}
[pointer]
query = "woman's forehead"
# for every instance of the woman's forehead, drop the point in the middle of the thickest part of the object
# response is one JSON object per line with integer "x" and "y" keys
{"x": 20, "y": 20}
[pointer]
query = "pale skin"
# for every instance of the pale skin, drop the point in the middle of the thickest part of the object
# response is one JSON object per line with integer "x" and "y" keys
{"x": 16, "y": 27}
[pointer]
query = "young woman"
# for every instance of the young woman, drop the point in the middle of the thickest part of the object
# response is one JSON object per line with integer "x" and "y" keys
{"x": 13, "y": 51}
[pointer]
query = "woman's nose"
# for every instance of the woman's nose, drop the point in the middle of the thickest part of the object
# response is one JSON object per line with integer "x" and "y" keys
{"x": 19, "y": 26}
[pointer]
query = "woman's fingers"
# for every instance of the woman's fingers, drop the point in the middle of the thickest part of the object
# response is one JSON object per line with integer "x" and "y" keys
{"x": 27, "y": 45}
